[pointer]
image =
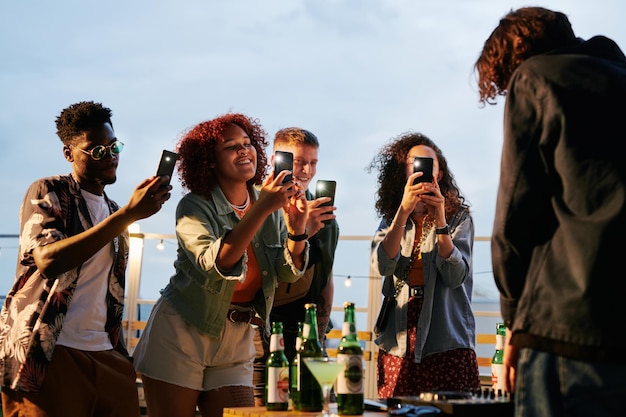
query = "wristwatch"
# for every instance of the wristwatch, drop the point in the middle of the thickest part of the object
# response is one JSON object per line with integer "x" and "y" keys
{"x": 445, "y": 230}
{"x": 297, "y": 238}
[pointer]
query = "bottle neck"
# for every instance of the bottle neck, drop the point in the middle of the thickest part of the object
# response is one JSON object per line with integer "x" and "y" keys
{"x": 348, "y": 330}
{"x": 277, "y": 342}
{"x": 309, "y": 329}
{"x": 500, "y": 342}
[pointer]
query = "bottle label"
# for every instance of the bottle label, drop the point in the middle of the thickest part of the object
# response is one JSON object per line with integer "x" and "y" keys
{"x": 497, "y": 377}
{"x": 306, "y": 331}
{"x": 277, "y": 342}
{"x": 500, "y": 342}
{"x": 277, "y": 385}
{"x": 350, "y": 381}
{"x": 348, "y": 329}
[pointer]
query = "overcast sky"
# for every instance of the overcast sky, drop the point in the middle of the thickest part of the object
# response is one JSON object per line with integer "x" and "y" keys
{"x": 354, "y": 72}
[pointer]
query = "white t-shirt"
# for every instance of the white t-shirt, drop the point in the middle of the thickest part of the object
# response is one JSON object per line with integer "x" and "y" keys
{"x": 83, "y": 327}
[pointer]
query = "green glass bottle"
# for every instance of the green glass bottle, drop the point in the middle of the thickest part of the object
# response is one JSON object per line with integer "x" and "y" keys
{"x": 497, "y": 364}
{"x": 310, "y": 390}
{"x": 277, "y": 372}
{"x": 293, "y": 374}
{"x": 349, "y": 388}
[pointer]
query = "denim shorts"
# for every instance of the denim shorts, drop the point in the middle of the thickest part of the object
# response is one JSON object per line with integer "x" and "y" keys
{"x": 172, "y": 351}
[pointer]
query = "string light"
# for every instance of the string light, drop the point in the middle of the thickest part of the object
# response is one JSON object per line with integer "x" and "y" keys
{"x": 347, "y": 283}
{"x": 160, "y": 246}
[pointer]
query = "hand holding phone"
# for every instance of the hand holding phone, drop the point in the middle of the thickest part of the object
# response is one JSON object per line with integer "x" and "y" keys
{"x": 283, "y": 161}
{"x": 167, "y": 164}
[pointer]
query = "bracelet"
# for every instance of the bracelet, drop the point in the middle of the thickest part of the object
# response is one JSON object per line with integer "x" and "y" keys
{"x": 399, "y": 225}
{"x": 297, "y": 238}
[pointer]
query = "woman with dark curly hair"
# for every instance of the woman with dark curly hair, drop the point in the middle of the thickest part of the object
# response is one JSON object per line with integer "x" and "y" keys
{"x": 423, "y": 249}
{"x": 234, "y": 245}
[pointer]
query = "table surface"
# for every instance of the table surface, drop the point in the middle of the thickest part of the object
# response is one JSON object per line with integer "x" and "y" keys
{"x": 262, "y": 412}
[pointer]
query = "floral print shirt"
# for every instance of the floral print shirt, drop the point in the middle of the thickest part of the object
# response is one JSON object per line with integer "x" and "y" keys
{"x": 35, "y": 307}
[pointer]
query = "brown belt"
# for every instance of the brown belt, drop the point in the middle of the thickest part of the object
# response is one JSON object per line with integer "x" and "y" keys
{"x": 249, "y": 317}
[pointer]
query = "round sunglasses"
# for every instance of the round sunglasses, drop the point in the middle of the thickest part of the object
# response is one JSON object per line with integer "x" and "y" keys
{"x": 100, "y": 151}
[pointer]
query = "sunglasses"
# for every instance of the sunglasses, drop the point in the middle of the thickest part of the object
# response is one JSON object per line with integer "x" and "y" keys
{"x": 100, "y": 151}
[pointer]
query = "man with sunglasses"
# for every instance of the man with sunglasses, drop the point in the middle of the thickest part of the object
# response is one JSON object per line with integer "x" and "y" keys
{"x": 61, "y": 341}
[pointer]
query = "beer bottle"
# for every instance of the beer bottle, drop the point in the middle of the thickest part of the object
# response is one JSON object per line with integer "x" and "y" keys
{"x": 293, "y": 374}
{"x": 310, "y": 390}
{"x": 349, "y": 388}
{"x": 497, "y": 365}
{"x": 277, "y": 372}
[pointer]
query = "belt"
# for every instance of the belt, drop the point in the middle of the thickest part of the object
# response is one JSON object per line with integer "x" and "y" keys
{"x": 249, "y": 317}
{"x": 416, "y": 291}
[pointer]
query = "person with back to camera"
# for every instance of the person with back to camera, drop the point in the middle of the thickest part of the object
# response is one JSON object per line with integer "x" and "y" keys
{"x": 560, "y": 213}
{"x": 423, "y": 249}
{"x": 234, "y": 245}
{"x": 316, "y": 286}
{"x": 62, "y": 351}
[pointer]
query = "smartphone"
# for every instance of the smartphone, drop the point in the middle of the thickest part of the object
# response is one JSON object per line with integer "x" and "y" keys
{"x": 167, "y": 164}
{"x": 425, "y": 165}
{"x": 325, "y": 188}
{"x": 283, "y": 161}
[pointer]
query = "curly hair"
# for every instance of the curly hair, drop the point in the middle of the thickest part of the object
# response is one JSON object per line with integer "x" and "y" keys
{"x": 521, "y": 34}
{"x": 81, "y": 117}
{"x": 197, "y": 151}
{"x": 390, "y": 162}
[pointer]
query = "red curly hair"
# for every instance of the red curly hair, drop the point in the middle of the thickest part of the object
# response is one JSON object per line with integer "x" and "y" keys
{"x": 521, "y": 34}
{"x": 197, "y": 151}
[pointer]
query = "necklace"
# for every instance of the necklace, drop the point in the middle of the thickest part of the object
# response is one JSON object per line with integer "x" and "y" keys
{"x": 244, "y": 205}
{"x": 426, "y": 224}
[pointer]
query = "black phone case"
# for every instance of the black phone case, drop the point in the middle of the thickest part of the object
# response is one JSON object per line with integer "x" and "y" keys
{"x": 167, "y": 163}
{"x": 283, "y": 161}
{"x": 424, "y": 165}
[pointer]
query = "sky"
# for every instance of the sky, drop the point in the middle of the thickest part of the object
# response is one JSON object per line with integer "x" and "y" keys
{"x": 355, "y": 73}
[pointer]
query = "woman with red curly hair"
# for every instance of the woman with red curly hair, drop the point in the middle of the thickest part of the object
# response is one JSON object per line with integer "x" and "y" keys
{"x": 197, "y": 349}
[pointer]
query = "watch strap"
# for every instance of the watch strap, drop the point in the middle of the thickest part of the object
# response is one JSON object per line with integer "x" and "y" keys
{"x": 297, "y": 238}
{"x": 445, "y": 230}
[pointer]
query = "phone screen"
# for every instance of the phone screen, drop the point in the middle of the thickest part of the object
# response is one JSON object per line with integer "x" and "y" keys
{"x": 167, "y": 163}
{"x": 283, "y": 161}
{"x": 425, "y": 165}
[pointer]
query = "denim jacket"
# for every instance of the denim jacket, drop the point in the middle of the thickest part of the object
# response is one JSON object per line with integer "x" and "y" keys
{"x": 446, "y": 321}
{"x": 199, "y": 291}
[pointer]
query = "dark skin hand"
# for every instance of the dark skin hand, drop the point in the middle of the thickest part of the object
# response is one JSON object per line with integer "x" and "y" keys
{"x": 66, "y": 254}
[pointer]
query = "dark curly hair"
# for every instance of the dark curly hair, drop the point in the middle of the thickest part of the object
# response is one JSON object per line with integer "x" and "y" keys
{"x": 522, "y": 33}
{"x": 81, "y": 117}
{"x": 390, "y": 162}
{"x": 197, "y": 151}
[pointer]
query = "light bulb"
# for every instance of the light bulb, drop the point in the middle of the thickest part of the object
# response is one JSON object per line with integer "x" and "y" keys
{"x": 348, "y": 282}
{"x": 160, "y": 245}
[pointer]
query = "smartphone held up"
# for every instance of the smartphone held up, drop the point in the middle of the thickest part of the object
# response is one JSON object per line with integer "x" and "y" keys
{"x": 326, "y": 188}
{"x": 425, "y": 166}
{"x": 283, "y": 161}
{"x": 167, "y": 164}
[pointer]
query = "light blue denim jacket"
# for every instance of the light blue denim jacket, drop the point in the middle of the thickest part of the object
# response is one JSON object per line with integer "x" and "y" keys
{"x": 199, "y": 291}
{"x": 446, "y": 321}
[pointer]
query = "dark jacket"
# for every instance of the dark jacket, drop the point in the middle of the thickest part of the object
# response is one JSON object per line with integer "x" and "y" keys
{"x": 561, "y": 205}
